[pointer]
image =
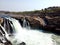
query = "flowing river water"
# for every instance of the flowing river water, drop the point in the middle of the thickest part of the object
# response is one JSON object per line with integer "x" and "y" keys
{"x": 29, "y": 36}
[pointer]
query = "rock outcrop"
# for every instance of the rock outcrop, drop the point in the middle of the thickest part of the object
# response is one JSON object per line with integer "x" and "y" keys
{"x": 1, "y": 20}
{"x": 47, "y": 23}
{"x": 46, "y": 19}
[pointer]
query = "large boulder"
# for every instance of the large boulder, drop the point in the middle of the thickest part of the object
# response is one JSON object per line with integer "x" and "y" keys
{"x": 35, "y": 24}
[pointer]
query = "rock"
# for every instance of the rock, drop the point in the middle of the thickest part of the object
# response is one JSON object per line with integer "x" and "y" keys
{"x": 37, "y": 22}
{"x": 34, "y": 24}
{"x": 7, "y": 41}
{"x": 1, "y": 20}
{"x": 1, "y": 41}
{"x": 23, "y": 43}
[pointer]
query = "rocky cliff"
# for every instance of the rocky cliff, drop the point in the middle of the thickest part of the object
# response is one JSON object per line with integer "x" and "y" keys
{"x": 47, "y": 19}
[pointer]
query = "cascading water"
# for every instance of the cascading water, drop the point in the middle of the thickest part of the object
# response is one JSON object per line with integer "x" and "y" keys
{"x": 4, "y": 37}
{"x": 26, "y": 24}
{"x": 28, "y": 36}
{"x": 3, "y": 29}
{"x": 6, "y": 34}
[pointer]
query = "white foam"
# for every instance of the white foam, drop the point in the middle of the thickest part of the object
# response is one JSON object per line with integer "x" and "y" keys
{"x": 31, "y": 37}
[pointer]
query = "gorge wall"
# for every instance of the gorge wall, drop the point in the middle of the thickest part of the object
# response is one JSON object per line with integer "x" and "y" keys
{"x": 46, "y": 23}
{"x": 47, "y": 19}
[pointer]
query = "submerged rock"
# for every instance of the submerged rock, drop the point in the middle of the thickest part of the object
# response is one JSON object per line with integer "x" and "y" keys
{"x": 23, "y": 43}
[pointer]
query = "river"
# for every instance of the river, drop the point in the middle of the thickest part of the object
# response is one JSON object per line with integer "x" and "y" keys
{"x": 25, "y": 36}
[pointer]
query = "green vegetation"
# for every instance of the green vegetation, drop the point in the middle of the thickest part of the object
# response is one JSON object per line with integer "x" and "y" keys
{"x": 50, "y": 10}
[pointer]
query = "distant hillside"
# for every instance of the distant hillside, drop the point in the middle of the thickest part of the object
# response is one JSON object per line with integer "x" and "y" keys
{"x": 47, "y": 11}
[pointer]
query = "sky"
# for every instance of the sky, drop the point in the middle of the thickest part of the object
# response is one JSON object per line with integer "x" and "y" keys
{"x": 27, "y": 5}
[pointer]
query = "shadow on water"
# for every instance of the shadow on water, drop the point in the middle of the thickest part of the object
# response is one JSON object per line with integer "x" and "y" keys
{"x": 50, "y": 31}
{"x": 56, "y": 32}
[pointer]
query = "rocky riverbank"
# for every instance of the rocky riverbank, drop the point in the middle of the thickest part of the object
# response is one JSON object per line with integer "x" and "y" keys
{"x": 36, "y": 22}
{"x": 47, "y": 19}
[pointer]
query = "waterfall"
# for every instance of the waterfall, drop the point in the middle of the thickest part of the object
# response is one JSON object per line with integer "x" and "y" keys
{"x": 3, "y": 29}
{"x": 30, "y": 37}
{"x": 27, "y": 36}
{"x": 6, "y": 35}
{"x": 26, "y": 24}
